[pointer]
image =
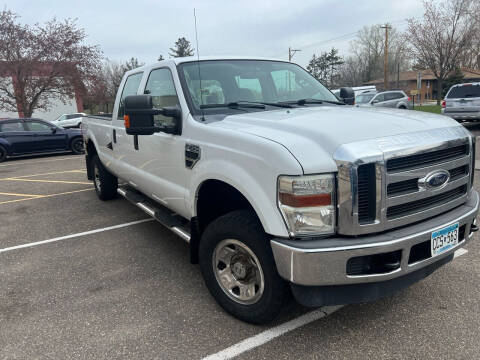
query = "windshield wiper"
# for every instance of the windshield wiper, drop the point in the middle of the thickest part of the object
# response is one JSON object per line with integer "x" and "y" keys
{"x": 313, "y": 101}
{"x": 233, "y": 105}
{"x": 245, "y": 104}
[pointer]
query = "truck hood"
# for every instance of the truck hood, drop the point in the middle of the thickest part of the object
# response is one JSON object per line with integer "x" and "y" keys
{"x": 312, "y": 134}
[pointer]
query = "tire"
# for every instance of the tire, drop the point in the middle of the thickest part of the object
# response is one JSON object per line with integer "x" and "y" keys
{"x": 240, "y": 231}
{"x": 77, "y": 146}
{"x": 402, "y": 107}
{"x": 3, "y": 154}
{"x": 105, "y": 183}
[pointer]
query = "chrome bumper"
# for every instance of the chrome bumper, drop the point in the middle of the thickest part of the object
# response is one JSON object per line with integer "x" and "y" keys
{"x": 463, "y": 115}
{"x": 322, "y": 262}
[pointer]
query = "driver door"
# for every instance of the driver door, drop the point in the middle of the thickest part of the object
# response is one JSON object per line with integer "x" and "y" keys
{"x": 45, "y": 137}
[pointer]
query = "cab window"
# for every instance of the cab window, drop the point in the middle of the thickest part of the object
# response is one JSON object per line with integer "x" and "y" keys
{"x": 161, "y": 87}
{"x": 130, "y": 88}
{"x": 37, "y": 126}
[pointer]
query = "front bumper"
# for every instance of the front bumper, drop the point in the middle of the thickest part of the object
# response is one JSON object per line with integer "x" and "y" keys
{"x": 323, "y": 262}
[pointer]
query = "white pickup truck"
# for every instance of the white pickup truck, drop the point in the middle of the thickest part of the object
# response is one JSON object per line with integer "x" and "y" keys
{"x": 280, "y": 188}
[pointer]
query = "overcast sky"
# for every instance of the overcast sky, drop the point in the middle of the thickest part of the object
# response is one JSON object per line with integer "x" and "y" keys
{"x": 148, "y": 28}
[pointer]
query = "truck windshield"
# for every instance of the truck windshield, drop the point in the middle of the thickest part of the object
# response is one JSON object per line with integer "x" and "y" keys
{"x": 211, "y": 86}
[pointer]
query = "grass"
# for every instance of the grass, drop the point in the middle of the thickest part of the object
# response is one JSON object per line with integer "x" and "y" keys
{"x": 429, "y": 108}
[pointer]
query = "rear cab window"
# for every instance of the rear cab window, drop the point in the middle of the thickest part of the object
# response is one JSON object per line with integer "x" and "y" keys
{"x": 464, "y": 91}
{"x": 130, "y": 88}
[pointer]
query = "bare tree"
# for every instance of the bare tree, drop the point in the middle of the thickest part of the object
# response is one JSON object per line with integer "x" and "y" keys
{"x": 42, "y": 63}
{"x": 367, "y": 56}
{"x": 440, "y": 41}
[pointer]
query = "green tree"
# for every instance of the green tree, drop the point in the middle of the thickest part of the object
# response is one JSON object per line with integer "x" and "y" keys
{"x": 325, "y": 67}
{"x": 455, "y": 77}
{"x": 182, "y": 48}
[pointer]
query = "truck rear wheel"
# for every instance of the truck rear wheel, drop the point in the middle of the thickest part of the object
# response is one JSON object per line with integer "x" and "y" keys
{"x": 105, "y": 183}
{"x": 239, "y": 269}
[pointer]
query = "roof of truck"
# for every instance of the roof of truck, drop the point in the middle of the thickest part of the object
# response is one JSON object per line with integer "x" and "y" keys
{"x": 181, "y": 60}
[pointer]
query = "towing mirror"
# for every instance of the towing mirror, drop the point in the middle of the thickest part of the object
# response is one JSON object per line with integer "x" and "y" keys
{"x": 139, "y": 116}
{"x": 347, "y": 95}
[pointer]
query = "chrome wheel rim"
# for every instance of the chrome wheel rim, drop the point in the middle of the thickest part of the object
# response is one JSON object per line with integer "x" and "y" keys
{"x": 96, "y": 178}
{"x": 238, "y": 271}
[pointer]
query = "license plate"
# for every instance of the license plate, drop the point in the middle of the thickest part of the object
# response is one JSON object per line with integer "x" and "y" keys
{"x": 444, "y": 239}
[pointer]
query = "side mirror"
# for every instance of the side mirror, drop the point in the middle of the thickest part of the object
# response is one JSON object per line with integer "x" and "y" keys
{"x": 139, "y": 113}
{"x": 375, "y": 102}
{"x": 54, "y": 130}
{"x": 347, "y": 95}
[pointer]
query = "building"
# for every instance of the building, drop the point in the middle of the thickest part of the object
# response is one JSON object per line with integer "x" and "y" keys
{"x": 407, "y": 81}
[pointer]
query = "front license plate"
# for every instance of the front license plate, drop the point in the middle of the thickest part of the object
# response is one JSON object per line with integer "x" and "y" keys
{"x": 444, "y": 239}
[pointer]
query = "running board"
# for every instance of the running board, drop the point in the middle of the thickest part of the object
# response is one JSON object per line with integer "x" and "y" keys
{"x": 164, "y": 216}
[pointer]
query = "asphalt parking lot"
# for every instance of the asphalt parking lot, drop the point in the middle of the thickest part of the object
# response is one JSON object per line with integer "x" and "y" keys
{"x": 110, "y": 285}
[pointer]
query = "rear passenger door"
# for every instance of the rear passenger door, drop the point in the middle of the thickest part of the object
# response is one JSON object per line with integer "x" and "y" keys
{"x": 124, "y": 152}
{"x": 391, "y": 99}
{"x": 14, "y": 134}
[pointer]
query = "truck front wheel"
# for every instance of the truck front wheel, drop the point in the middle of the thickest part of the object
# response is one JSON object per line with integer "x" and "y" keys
{"x": 239, "y": 269}
{"x": 105, "y": 183}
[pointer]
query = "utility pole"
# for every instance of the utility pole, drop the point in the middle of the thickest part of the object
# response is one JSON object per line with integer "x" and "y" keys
{"x": 385, "y": 66}
{"x": 291, "y": 52}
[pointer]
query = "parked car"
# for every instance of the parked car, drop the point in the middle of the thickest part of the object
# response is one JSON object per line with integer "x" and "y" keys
{"x": 69, "y": 120}
{"x": 278, "y": 187}
{"x": 462, "y": 102}
{"x": 32, "y": 136}
{"x": 391, "y": 99}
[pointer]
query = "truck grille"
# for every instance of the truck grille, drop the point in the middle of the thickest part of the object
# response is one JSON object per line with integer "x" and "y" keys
{"x": 380, "y": 189}
{"x": 426, "y": 159}
{"x": 424, "y": 204}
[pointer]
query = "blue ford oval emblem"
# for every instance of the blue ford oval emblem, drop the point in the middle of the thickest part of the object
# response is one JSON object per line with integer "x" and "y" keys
{"x": 435, "y": 180}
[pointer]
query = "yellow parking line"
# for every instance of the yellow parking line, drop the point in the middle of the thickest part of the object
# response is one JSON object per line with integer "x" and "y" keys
{"x": 47, "y": 181}
{"x": 22, "y": 195}
{"x": 44, "y": 196}
{"x": 49, "y": 173}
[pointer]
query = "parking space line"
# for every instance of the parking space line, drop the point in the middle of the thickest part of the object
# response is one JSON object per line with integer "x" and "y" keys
{"x": 45, "y": 196}
{"x": 61, "y": 238}
{"x": 26, "y": 162}
{"x": 270, "y": 334}
{"x": 49, "y": 173}
{"x": 46, "y": 181}
{"x": 21, "y": 195}
{"x": 460, "y": 252}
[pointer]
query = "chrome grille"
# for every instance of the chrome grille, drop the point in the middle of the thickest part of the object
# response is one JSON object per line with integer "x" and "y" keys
{"x": 378, "y": 180}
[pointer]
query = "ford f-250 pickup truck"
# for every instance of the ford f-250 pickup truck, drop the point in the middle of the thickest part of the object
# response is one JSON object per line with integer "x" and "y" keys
{"x": 280, "y": 188}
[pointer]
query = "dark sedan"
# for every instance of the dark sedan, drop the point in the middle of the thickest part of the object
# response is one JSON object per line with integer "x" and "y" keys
{"x": 33, "y": 136}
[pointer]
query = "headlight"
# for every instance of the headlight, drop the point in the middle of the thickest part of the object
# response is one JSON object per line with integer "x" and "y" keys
{"x": 307, "y": 204}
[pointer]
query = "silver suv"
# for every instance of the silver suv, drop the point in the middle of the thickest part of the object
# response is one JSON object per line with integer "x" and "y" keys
{"x": 462, "y": 102}
{"x": 392, "y": 99}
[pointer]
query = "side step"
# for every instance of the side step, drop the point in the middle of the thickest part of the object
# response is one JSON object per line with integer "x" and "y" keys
{"x": 164, "y": 216}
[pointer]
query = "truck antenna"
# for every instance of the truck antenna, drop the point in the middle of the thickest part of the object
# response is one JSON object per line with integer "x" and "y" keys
{"x": 198, "y": 64}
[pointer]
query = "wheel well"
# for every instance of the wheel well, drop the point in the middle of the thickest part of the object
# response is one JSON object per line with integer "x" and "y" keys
{"x": 214, "y": 199}
{"x": 91, "y": 152}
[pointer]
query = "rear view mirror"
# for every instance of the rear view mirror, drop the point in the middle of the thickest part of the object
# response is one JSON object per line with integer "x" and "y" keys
{"x": 347, "y": 95}
{"x": 139, "y": 116}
